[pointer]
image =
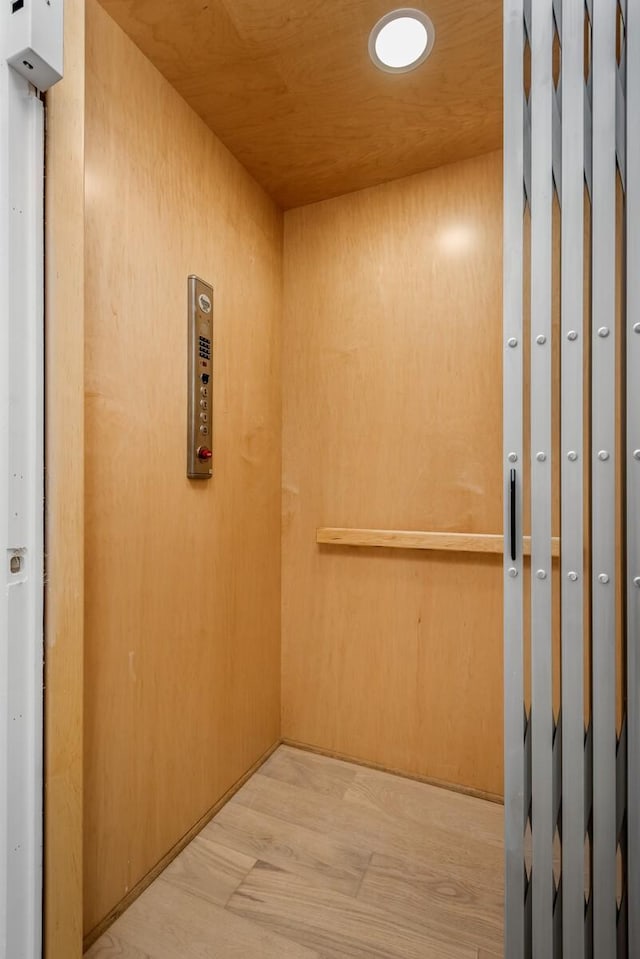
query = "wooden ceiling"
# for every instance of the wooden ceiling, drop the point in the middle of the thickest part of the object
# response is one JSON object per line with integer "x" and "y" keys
{"x": 289, "y": 87}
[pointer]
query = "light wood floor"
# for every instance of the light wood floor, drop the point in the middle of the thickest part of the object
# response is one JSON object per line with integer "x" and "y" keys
{"x": 320, "y": 859}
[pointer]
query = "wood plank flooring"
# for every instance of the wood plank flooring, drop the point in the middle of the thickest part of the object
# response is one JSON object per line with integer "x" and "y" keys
{"x": 320, "y": 859}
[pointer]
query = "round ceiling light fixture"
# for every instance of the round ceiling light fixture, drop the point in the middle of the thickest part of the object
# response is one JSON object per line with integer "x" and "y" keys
{"x": 401, "y": 40}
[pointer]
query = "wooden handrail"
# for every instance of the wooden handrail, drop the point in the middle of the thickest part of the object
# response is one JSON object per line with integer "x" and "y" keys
{"x": 419, "y": 539}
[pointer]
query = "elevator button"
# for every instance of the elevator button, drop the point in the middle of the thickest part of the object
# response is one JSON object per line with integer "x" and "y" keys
{"x": 204, "y": 391}
{"x": 204, "y": 453}
{"x": 204, "y": 430}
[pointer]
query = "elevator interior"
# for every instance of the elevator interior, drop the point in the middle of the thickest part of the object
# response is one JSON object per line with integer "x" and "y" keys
{"x": 336, "y": 584}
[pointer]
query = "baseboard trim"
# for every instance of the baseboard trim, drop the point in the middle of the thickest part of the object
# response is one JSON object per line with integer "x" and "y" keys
{"x": 440, "y": 783}
{"x": 160, "y": 866}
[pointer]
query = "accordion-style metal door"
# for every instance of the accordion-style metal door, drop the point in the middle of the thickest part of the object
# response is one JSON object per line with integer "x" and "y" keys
{"x": 572, "y": 478}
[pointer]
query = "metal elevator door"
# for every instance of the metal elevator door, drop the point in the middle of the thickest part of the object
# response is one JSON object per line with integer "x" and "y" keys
{"x": 572, "y": 478}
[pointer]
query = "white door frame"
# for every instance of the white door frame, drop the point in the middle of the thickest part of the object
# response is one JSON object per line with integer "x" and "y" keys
{"x": 21, "y": 510}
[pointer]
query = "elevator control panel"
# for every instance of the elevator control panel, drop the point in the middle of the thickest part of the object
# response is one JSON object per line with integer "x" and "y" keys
{"x": 200, "y": 444}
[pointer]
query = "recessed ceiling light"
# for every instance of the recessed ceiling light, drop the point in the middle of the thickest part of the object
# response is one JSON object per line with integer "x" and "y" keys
{"x": 401, "y": 40}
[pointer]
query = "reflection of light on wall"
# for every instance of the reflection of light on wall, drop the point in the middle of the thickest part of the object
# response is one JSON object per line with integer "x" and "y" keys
{"x": 457, "y": 239}
{"x": 95, "y": 187}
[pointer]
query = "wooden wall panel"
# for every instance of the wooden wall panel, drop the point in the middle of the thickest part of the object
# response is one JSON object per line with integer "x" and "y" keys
{"x": 392, "y": 420}
{"x": 64, "y": 609}
{"x": 182, "y": 577}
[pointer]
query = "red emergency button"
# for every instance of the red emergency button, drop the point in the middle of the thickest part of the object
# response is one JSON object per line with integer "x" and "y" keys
{"x": 204, "y": 453}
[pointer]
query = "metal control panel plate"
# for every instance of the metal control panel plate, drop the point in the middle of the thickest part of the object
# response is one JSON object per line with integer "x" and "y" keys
{"x": 199, "y": 426}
